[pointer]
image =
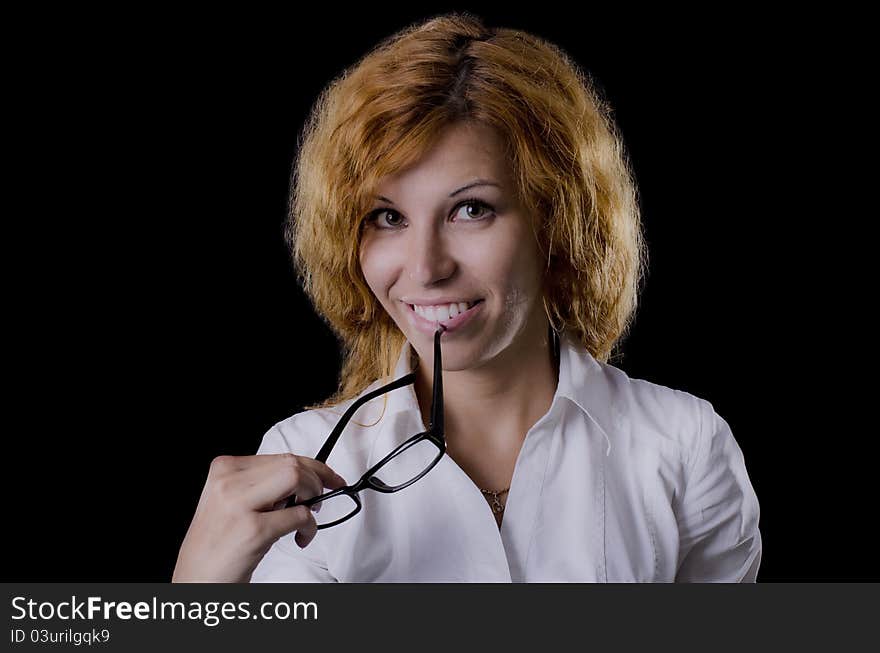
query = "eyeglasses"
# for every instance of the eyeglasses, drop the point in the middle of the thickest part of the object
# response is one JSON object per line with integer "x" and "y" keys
{"x": 405, "y": 465}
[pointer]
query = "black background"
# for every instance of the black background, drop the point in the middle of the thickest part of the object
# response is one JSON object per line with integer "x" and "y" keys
{"x": 156, "y": 323}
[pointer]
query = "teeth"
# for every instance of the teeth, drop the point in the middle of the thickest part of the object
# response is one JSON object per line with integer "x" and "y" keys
{"x": 442, "y": 313}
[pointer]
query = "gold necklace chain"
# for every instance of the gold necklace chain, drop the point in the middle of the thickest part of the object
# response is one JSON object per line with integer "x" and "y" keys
{"x": 497, "y": 506}
{"x": 495, "y": 502}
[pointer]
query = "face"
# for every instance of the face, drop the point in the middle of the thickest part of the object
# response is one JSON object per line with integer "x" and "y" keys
{"x": 447, "y": 230}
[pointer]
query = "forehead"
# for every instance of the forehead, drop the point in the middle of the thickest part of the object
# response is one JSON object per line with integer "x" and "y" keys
{"x": 461, "y": 153}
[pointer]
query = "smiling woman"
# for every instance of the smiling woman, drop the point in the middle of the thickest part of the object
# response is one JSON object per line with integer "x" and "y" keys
{"x": 500, "y": 114}
{"x": 439, "y": 256}
{"x": 466, "y": 187}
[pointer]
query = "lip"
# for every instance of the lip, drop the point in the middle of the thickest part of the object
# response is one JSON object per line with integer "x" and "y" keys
{"x": 437, "y": 301}
{"x": 453, "y": 324}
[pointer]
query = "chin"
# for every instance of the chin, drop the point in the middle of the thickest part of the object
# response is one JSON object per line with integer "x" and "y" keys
{"x": 456, "y": 356}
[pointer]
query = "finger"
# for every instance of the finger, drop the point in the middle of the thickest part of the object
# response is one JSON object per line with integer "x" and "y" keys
{"x": 230, "y": 464}
{"x": 279, "y": 482}
{"x": 327, "y": 475}
{"x": 254, "y": 469}
{"x": 329, "y": 478}
{"x": 255, "y": 481}
{"x": 283, "y": 503}
{"x": 312, "y": 470}
{"x": 306, "y": 534}
{"x": 296, "y": 518}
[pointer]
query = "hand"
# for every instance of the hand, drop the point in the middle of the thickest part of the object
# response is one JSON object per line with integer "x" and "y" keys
{"x": 241, "y": 514}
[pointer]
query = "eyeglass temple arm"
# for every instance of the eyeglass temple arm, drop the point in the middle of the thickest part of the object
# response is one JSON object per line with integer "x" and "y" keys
{"x": 436, "y": 425}
{"x": 340, "y": 426}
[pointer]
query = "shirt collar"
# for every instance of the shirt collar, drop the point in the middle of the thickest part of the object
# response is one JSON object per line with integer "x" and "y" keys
{"x": 582, "y": 380}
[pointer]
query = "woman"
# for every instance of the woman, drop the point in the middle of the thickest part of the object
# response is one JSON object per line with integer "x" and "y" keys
{"x": 471, "y": 179}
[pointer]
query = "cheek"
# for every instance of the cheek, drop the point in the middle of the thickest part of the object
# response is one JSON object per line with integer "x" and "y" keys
{"x": 518, "y": 277}
{"x": 508, "y": 264}
{"x": 376, "y": 268}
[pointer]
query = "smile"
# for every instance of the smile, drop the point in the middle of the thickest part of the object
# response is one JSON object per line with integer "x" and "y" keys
{"x": 426, "y": 321}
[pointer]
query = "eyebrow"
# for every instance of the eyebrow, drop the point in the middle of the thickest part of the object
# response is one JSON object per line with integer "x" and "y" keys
{"x": 473, "y": 184}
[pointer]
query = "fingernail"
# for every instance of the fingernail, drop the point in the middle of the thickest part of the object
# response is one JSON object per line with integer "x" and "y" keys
{"x": 316, "y": 507}
{"x": 340, "y": 479}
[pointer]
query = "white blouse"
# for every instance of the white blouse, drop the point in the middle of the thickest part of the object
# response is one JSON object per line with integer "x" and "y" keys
{"x": 622, "y": 480}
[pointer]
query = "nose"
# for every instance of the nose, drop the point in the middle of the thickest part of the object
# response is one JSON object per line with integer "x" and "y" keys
{"x": 428, "y": 256}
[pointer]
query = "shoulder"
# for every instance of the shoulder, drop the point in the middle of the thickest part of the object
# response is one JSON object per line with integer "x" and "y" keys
{"x": 653, "y": 410}
{"x": 304, "y": 433}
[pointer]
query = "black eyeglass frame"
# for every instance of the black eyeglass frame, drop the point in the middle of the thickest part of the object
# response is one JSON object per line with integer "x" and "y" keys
{"x": 435, "y": 434}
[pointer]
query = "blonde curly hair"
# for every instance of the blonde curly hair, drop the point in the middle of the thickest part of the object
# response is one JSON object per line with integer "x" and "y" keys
{"x": 567, "y": 158}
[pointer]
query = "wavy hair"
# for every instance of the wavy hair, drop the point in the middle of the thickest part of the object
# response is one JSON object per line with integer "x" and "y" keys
{"x": 572, "y": 174}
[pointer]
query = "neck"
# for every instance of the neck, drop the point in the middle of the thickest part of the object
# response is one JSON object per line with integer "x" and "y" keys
{"x": 489, "y": 408}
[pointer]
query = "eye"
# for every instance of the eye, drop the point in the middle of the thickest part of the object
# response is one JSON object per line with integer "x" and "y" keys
{"x": 474, "y": 210}
{"x": 376, "y": 218}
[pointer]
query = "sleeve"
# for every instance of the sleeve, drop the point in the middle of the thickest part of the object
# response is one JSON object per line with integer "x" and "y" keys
{"x": 718, "y": 513}
{"x": 285, "y": 562}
